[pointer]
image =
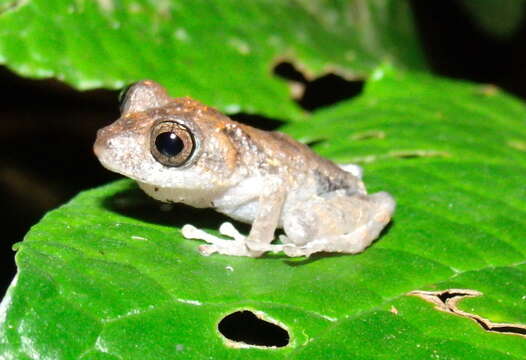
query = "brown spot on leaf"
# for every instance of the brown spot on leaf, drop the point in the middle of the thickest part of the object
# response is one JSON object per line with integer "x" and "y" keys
{"x": 12, "y": 5}
{"x": 517, "y": 145}
{"x": 366, "y": 135}
{"x": 488, "y": 90}
{"x": 409, "y": 154}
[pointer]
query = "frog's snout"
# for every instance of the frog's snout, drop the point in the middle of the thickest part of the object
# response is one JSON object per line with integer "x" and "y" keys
{"x": 101, "y": 142}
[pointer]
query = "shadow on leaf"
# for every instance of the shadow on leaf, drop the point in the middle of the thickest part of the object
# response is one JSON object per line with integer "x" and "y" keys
{"x": 135, "y": 204}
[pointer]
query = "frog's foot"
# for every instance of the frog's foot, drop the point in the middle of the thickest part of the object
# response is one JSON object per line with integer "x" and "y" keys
{"x": 293, "y": 250}
{"x": 235, "y": 247}
{"x": 238, "y": 246}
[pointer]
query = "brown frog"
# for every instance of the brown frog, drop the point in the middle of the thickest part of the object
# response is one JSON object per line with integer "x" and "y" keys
{"x": 179, "y": 150}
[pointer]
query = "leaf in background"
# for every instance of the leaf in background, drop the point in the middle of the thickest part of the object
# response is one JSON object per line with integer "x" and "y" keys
{"x": 222, "y": 53}
{"x": 499, "y": 18}
{"x": 108, "y": 276}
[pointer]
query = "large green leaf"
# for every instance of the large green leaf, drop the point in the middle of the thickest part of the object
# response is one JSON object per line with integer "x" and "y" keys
{"x": 220, "y": 52}
{"x": 108, "y": 276}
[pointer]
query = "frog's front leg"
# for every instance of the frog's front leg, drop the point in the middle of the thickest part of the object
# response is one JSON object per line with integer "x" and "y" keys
{"x": 262, "y": 231}
{"x": 259, "y": 239}
{"x": 231, "y": 247}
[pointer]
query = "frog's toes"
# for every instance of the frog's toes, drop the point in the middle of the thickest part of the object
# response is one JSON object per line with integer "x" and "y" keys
{"x": 296, "y": 251}
{"x": 217, "y": 245}
{"x": 207, "y": 250}
{"x": 191, "y": 232}
{"x": 229, "y": 230}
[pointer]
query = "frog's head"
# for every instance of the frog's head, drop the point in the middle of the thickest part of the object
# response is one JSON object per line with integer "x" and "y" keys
{"x": 166, "y": 142}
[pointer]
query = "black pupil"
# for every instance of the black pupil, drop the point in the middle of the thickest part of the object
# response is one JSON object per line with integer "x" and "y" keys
{"x": 169, "y": 144}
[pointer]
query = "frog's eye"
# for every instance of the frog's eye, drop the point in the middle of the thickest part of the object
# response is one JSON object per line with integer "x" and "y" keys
{"x": 171, "y": 143}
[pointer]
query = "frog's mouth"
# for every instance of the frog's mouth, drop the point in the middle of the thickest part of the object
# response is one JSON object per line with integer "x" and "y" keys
{"x": 120, "y": 154}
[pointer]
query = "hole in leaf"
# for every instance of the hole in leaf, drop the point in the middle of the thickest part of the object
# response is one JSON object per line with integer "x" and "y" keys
{"x": 444, "y": 296}
{"x": 287, "y": 71}
{"x": 312, "y": 94}
{"x": 509, "y": 330}
{"x": 447, "y": 301}
{"x": 246, "y": 327}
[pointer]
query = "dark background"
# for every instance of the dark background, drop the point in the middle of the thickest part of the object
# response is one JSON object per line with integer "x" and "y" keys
{"x": 48, "y": 128}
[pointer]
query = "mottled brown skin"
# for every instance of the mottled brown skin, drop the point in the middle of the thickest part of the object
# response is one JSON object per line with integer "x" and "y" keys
{"x": 264, "y": 178}
{"x": 279, "y": 153}
{"x": 272, "y": 152}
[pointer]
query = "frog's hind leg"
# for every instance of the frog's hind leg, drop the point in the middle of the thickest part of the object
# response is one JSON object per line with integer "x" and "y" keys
{"x": 258, "y": 240}
{"x": 339, "y": 224}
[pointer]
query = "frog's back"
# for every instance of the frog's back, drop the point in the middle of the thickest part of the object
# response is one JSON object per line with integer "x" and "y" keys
{"x": 280, "y": 153}
{"x": 256, "y": 152}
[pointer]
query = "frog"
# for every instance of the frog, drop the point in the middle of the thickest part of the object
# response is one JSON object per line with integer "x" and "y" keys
{"x": 179, "y": 150}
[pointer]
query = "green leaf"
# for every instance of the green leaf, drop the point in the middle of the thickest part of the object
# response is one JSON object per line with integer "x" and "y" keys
{"x": 219, "y": 52}
{"x": 108, "y": 276}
